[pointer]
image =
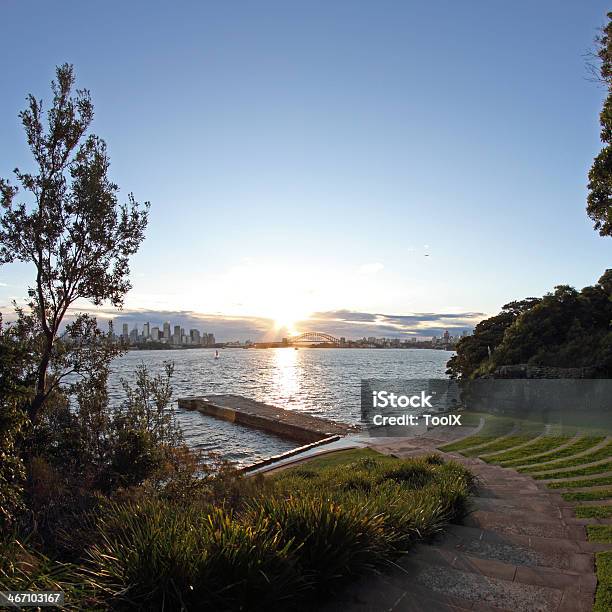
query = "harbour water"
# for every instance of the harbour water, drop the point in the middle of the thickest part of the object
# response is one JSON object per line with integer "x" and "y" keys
{"x": 324, "y": 382}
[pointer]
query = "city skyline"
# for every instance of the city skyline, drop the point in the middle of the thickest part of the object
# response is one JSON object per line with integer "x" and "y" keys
{"x": 296, "y": 185}
{"x": 166, "y": 333}
{"x": 176, "y": 335}
{"x": 352, "y": 325}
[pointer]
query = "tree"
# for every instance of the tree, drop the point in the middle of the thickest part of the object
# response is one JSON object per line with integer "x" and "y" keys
{"x": 564, "y": 329}
{"x": 599, "y": 201}
{"x": 474, "y": 350}
{"x": 71, "y": 228}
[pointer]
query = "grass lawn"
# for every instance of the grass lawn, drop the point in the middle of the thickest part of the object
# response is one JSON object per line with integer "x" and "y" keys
{"x": 579, "y": 445}
{"x": 584, "y": 482}
{"x": 493, "y": 428}
{"x": 540, "y": 445}
{"x": 335, "y": 459}
{"x": 602, "y": 453}
{"x": 593, "y": 512}
{"x": 501, "y": 444}
{"x": 600, "y": 533}
{"x": 603, "y": 598}
{"x": 587, "y": 495}
{"x": 585, "y": 471}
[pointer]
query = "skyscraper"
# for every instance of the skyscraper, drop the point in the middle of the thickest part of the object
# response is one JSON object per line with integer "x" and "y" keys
{"x": 126, "y": 333}
{"x": 145, "y": 331}
{"x": 176, "y": 339}
{"x": 167, "y": 331}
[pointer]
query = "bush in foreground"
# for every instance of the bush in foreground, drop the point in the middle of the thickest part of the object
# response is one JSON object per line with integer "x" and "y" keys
{"x": 291, "y": 540}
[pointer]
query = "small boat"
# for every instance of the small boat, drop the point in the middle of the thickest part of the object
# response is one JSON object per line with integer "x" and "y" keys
{"x": 216, "y": 354}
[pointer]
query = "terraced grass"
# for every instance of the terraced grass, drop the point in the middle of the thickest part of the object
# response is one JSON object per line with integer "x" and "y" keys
{"x": 493, "y": 428}
{"x": 602, "y": 534}
{"x": 585, "y": 471}
{"x": 603, "y": 598}
{"x": 579, "y": 446}
{"x": 603, "y": 453}
{"x": 587, "y": 495}
{"x": 593, "y": 511}
{"x": 538, "y": 446}
{"x": 577, "y": 484}
{"x": 500, "y": 445}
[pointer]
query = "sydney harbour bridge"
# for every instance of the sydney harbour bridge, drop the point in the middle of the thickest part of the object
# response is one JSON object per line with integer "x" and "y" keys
{"x": 306, "y": 339}
{"x": 313, "y": 337}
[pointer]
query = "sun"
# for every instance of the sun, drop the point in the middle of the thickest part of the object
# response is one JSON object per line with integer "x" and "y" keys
{"x": 287, "y": 317}
{"x": 287, "y": 323}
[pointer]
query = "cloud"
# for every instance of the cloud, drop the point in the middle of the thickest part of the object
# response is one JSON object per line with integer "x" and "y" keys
{"x": 343, "y": 322}
{"x": 344, "y": 315}
{"x": 353, "y": 324}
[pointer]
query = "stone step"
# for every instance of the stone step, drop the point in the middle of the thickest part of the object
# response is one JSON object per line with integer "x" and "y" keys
{"x": 500, "y": 492}
{"x": 578, "y": 588}
{"x": 525, "y": 523}
{"x": 383, "y": 593}
{"x": 517, "y": 550}
{"x": 462, "y": 534}
{"x": 543, "y": 507}
{"x": 498, "y": 593}
{"x": 521, "y": 549}
{"x": 555, "y": 577}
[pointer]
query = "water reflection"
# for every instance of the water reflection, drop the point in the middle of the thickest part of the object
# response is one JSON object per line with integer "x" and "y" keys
{"x": 323, "y": 382}
{"x": 285, "y": 379}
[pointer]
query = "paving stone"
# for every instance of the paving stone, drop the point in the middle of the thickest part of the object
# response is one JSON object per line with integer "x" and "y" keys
{"x": 492, "y": 591}
{"x": 518, "y": 549}
{"x": 525, "y": 524}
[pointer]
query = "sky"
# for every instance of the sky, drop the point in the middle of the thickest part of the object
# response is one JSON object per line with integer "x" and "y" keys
{"x": 362, "y": 168}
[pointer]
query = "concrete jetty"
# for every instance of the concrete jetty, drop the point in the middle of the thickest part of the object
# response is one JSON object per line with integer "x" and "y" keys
{"x": 290, "y": 424}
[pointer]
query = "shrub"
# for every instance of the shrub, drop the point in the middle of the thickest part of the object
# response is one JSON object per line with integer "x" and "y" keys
{"x": 23, "y": 568}
{"x": 156, "y": 554}
{"x": 413, "y": 474}
{"x": 330, "y": 541}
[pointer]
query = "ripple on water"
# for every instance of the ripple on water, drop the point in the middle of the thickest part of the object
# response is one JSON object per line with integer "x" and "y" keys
{"x": 324, "y": 382}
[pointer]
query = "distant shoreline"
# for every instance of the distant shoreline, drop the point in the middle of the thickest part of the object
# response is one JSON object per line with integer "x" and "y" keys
{"x": 284, "y": 346}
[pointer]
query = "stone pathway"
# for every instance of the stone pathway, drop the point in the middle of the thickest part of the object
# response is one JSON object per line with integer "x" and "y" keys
{"x": 520, "y": 549}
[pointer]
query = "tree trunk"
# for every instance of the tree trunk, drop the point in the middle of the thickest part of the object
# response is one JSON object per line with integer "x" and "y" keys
{"x": 41, "y": 386}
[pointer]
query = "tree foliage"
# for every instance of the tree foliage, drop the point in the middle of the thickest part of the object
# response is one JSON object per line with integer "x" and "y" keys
{"x": 599, "y": 202}
{"x": 488, "y": 334}
{"x": 70, "y": 225}
{"x": 564, "y": 329}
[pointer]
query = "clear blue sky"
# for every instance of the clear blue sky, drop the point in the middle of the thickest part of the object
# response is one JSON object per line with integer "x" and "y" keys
{"x": 305, "y": 156}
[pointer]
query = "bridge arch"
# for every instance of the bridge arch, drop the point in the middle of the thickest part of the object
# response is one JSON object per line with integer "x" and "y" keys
{"x": 314, "y": 337}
